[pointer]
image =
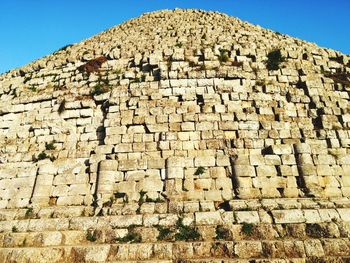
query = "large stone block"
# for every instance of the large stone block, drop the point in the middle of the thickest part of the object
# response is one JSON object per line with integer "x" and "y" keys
{"x": 288, "y": 216}
{"x": 204, "y": 161}
{"x": 244, "y": 170}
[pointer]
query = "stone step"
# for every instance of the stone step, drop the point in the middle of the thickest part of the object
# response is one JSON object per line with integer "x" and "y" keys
{"x": 183, "y": 251}
{"x": 41, "y": 234}
{"x": 220, "y": 217}
{"x": 177, "y": 207}
{"x": 229, "y": 232}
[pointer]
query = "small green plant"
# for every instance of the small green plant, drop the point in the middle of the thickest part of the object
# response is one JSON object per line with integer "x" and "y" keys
{"x": 222, "y": 233}
{"x": 131, "y": 236}
{"x": 200, "y": 170}
{"x": 50, "y": 146}
{"x": 247, "y": 228}
{"x": 43, "y": 156}
{"x": 164, "y": 233}
{"x": 62, "y": 106}
{"x": 90, "y": 236}
{"x": 14, "y": 229}
{"x": 179, "y": 45}
{"x": 63, "y": 48}
{"x": 29, "y": 213}
{"x": 99, "y": 89}
{"x": 203, "y": 67}
{"x": 26, "y": 79}
{"x": 139, "y": 79}
{"x": 223, "y": 56}
{"x": 141, "y": 201}
{"x": 186, "y": 233}
{"x": 260, "y": 82}
{"x": 117, "y": 71}
{"x": 33, "y": 88}
{"x": 274, "y": 59}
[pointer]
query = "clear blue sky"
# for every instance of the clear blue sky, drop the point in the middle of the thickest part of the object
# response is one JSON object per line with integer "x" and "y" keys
{"x": 31, "y": 29}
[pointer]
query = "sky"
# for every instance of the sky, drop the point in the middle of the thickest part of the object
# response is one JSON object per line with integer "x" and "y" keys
{"x": 30, "y": 29}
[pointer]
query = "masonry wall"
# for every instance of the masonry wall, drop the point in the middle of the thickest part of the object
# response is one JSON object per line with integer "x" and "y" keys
{"x": 177, "y": 121}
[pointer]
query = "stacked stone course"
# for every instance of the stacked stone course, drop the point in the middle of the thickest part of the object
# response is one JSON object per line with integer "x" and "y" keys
{"x": 149, "y": 122}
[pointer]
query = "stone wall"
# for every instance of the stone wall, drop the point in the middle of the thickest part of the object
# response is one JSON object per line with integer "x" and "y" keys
{"x": 174, "y": 121}
{"x": 187, "y": 119}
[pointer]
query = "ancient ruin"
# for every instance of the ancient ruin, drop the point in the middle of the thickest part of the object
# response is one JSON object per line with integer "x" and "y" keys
{"x": 178, "y": 136}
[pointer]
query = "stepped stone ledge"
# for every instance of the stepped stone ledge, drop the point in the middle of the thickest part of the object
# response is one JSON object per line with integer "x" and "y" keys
{"x": 177, "y": 136}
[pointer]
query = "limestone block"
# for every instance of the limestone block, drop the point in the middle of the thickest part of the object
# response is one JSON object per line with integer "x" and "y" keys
{"x": 313, "y": 248}
{"x": 70, "y": 200}
{"x": 42, "y": 190}
{"x": 204, "y": 161}
{"x": 288, "y": 159}
{"x": 248, "y": 249}
{"x": 223, "y": 183}
{"x": 222, "y": 160}
{"x": 108, "y": 165}
{"x": 60, "y": 190}
{"x": 3, "y": 204}
{"x": 344, "y": 214}
{"x": 116, "y": 130}
{"x": 344, "y": 160}
{"x": 123, "y": 148}
{"x": 208, "y": 218}
{"x": 213, "y": 195}
{"x": 248, "y": 193}
{"x": 156, "y": 163}
{"x": 256, "y": 159}
{"x": 248, "y": 125}
{"x": 175, "y": 172}
{"x": 191, "y": 207}
{"x": 86, "y": 113}
{"x": 251, "y": 217}
{"x": 50, "y": 224}
{"x": 150, "y": 185}
{"x": 158, "y": 127}
{"x": 78, "y": 189}
{"x": 328, "y": 215}
{"x": 52, "y": 238}
{"x": 109, "y": 177}
{"x": 308, "y": 170}
{"x": 135, "y": 175}
{"x": 92, "y": 254}
{"x": 269, "y": 192}
{"x": 266, "y": 170}
{"x": 281, "y": 149}
{"x": 245, "y": 182}
{"x": 175, "y": 162}
{"x": 200, "y": 184}
{"x": 22, "y": 182}
{"x": 242, "y": 159}
{"x": 288, "y": 216}
{"x": 128, "y": 165}
{"x": 228, "y": 126}
{"x": 126, "y": 187}
{"x": 312, "y": 216}
{"x": 47, "y": 168}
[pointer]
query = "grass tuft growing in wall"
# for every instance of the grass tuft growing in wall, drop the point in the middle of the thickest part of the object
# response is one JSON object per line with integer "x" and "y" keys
{"x": 274, "y": 59}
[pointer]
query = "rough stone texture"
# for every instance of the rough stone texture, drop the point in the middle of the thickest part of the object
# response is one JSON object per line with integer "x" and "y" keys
{"x": 175, "y": 113}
